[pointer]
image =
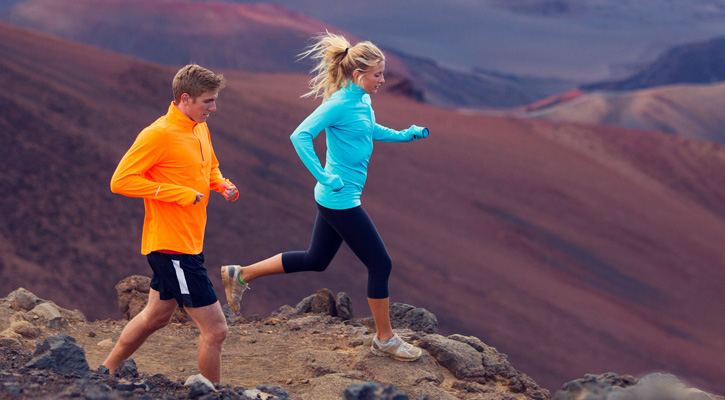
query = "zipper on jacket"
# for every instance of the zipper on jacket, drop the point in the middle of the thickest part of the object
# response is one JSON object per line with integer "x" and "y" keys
{"x": 201, "y": 149}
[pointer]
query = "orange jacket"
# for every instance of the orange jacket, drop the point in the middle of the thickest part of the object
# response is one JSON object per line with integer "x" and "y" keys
{"x": 169, "y": 162}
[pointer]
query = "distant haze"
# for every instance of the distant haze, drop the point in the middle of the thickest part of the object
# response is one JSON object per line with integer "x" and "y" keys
{"x": 584, "y": 40}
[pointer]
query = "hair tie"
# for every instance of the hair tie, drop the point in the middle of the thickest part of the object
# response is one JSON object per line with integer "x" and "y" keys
{"x": 346, "y": 49}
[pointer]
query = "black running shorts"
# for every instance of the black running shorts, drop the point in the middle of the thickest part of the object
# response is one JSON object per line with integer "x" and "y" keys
{"x": 181, "y": 277}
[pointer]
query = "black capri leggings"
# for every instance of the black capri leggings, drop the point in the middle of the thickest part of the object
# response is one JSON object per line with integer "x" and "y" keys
{"x": 355, "y": 227}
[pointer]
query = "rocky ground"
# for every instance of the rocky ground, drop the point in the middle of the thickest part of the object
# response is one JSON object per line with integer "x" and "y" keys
{"x": 315, "y": 350}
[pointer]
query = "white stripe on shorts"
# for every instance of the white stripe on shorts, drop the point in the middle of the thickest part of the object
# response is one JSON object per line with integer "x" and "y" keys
{"x": 181, "y": 277}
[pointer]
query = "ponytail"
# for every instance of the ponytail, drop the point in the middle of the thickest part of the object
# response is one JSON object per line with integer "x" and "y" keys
{"x": 336, "y": 62}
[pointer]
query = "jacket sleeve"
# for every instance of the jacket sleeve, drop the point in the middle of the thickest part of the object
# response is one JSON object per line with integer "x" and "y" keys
{"x": 130, "y": 180}
{"x": 324, "y": 116}
{"x": 384, "y": 134}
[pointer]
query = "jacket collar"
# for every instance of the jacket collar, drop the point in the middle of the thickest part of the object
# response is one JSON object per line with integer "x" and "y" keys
{"x": 354, "y": 89}
{"x": 178, "y": 118}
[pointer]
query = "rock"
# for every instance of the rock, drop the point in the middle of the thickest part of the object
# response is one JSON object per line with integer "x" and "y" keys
{"x": 408, "y": 374}
{"x": 25, "y": 329}
{"x": 343, "y": 304}
{"x": 277, "y": 391}
{"x": 108, "y": 343}
{"x": 127, "y": 369}
{"x": 611, "y": 386}
{"x": 133, "y": 293}
{"x": 60, "y": 353}
{"x": 284, "y": 312}
{"x": 12, "y": 388}
{"x": 496, "y": 364}
{"x": 136, "y": 387}
{"x": 199, "y": 386}
{"x": 410, "y": 317}
{"x": 22, "y": 300}
{"x": 303, "y": 307}
{"x": 462, "y": 360}
{"x": 324, "y": 303}
{"x": 10, "y": 340}
{"x": 372, "y": 391}
{"x": 87, "y": 389}
{"x": 48, "y": 313}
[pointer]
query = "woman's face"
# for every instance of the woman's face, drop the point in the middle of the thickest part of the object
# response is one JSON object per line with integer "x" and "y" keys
{"x": 372, "y": 80}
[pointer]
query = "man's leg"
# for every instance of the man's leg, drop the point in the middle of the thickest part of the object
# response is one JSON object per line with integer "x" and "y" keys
{"x": 153, "y": 317}
{"x": 213, "y": 326}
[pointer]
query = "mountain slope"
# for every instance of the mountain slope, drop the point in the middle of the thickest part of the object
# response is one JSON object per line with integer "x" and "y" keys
{"x": 701, "y": 63}
{"x": 693, "y": 111}
{"x": 573, "y": 249}
{"x": 255, "y": 37}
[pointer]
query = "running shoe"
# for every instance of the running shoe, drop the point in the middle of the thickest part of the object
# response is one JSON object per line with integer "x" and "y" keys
{"x": 233, "y": 287}
{"x": 396, "y": 348}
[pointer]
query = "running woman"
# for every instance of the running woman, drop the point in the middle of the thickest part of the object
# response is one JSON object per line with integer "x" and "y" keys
{"x": 345, "y": 77}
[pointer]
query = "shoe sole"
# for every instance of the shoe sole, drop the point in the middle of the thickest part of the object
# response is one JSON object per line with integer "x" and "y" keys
{"x": 382, "y": 354}
{"x": 228, "y": 289}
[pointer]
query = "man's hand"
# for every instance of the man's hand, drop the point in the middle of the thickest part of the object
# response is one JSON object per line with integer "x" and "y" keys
{"x": 228, "y": 191}
{"x": 198, "y": 197}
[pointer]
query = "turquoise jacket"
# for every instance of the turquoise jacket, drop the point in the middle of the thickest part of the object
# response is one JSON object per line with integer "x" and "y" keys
{"x": 349, "y": 123}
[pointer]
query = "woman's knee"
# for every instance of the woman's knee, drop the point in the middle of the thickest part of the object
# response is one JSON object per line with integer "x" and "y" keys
{"x": 382, "y": 267}
{"x": 317, "y": 262}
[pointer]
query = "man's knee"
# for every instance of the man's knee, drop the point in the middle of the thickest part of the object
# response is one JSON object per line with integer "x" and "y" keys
{"x": 216, "y": 334}
{"x": 156, "y": 321}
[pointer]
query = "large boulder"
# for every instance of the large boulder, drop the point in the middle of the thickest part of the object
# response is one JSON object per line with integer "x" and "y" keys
{"x": 470, "y": 360}
{"x": 611, "y": 386}
{"x": 133, "y": 294}
{"x": 60, "y": 353}
{"x": 23, "y": 300}
{"x": 405, "y": 316}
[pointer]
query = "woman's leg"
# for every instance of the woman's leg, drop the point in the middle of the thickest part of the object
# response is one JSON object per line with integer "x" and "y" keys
{"x": 270, "y": 266}
{"x": 360, "y": 234}
{"x": 380, "y": 309}
{"x": 324, "y": 245}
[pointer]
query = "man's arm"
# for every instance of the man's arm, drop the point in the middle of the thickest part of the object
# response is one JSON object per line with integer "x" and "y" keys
{"x": 217, "y": 181}
{"x": 129, "y": 180}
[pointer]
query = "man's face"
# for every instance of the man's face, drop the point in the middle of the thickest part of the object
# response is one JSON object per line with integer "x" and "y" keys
{"x": 200, "y": 108}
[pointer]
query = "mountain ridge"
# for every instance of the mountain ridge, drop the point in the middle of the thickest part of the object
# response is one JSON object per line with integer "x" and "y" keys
{"x": 256, "y": 37}
{"x": 690, "y": 111}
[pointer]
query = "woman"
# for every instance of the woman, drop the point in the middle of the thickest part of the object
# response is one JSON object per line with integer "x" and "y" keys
{"x": 345, "y": 77}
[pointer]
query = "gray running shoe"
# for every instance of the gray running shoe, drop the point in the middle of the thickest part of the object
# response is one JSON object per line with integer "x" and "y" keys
{"x": 232, "y": 286}
{"x": 396, "y": 348}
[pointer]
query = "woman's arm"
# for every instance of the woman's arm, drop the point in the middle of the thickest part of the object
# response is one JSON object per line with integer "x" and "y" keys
{"x": 323, "y": 117}
{"x": 385, "y": 134}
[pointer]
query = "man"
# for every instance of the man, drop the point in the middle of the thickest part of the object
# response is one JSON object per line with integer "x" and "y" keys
{"x": 172, "y": 166}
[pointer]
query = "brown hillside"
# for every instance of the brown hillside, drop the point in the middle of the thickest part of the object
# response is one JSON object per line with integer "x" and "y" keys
{"x": 573, "y": 249}
{"x": 255, "y": 37}
{"x": 692, "y": 111}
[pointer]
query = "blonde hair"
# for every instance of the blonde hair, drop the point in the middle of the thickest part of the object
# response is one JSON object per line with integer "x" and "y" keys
{"x": 195, "y": 80}
{"x": 336, "y": 62}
